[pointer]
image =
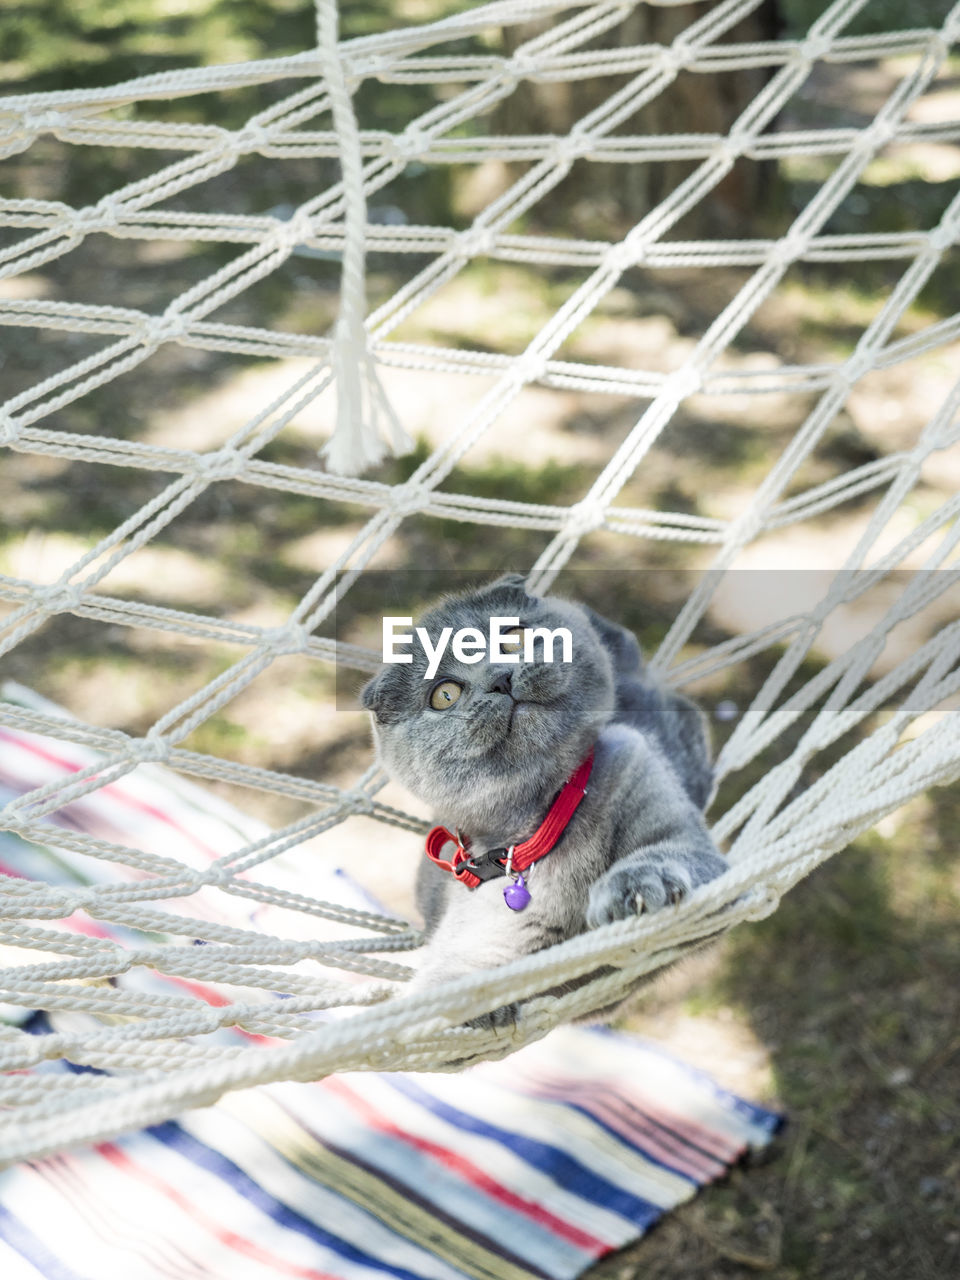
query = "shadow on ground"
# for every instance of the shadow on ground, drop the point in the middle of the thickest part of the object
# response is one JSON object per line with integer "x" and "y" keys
{"x": 852, "y": 987}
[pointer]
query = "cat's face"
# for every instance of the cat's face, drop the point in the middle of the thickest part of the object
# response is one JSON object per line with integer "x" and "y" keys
{"x": 490, "y": 728}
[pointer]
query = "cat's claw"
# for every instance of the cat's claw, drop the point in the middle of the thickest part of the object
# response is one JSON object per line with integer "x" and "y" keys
{"x": 632, "y": 888}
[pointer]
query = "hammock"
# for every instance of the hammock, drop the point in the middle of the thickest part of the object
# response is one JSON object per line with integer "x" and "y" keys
{"x": 87, "y": 951}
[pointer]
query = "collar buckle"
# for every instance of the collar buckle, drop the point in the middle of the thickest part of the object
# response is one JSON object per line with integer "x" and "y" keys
{"x": 485, "y": 866}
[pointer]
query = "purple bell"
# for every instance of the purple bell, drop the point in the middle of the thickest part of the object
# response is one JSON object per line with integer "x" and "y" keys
{"x": 516, "y": 895}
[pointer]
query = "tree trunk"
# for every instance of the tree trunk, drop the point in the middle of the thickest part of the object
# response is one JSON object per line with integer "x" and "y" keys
{"x": 609, "y": 198}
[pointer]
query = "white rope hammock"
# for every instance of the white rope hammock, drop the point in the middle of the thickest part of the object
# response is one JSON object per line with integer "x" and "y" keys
{"x": 159, "y": 1053}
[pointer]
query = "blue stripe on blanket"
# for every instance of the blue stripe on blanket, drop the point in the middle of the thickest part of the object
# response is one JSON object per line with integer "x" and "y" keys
{"x": 396, "y": 1157}
{"x": 20, "y": 1238}
{"x": 172, "y": 1135}
{"x": 568, "y": 1172}
{"x": 752, "y": 1112}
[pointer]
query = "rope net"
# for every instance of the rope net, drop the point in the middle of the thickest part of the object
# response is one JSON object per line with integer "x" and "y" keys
{"x": 154, "y": 1054}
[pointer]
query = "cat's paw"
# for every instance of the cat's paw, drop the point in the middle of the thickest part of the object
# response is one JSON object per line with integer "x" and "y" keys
{"x": 632, "y": 887}
{"x": 502, "y": 1019}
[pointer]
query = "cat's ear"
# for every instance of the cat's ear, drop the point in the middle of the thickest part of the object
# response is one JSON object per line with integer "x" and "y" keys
{"x": 620, "y": 643}
{"x": 384, "y": 695}
{"x": 515, "y": 580}
{"x": 510, "y": 587}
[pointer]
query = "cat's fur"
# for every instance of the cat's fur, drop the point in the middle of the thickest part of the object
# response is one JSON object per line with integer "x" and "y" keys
{"x": 491, "y": 764}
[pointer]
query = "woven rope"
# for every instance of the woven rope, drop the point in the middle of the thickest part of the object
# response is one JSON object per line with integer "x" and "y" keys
{"x": 160, "y": 1050}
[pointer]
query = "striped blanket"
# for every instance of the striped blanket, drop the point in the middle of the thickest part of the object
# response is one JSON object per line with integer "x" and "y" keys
{"x": 535, "y": 1166}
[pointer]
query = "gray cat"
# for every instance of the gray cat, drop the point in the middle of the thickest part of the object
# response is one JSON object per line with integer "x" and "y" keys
{"x": 490, "y": 746}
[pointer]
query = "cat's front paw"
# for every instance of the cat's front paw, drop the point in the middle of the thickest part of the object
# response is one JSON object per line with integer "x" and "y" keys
{"x": 502, "y": 1019}
{"x": 634, "y": 886}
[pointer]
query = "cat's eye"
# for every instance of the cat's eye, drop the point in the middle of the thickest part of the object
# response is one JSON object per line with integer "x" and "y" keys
{"x": 513, "y": 639}
{"x": 445, "y": 694}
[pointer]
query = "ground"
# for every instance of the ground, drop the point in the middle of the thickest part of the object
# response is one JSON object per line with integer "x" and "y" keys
{"x": 843, "y": 1009}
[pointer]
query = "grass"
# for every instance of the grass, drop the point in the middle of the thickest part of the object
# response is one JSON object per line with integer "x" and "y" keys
{"x": 851, "y": 988}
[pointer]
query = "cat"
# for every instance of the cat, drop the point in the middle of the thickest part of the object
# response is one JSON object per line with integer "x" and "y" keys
{"x": 489, "y": 745}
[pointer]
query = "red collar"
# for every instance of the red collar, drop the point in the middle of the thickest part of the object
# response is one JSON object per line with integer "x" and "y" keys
{"x": 473, "y": 870}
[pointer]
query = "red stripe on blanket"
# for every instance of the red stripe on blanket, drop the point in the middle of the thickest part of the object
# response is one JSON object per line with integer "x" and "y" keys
{"x": 232, "y": 1239}
{"x": 114, "y": 791}
{"x": 468, "y": 1170}
{"x": 653, "y": 1129}
{"x": 639, "y": 1100}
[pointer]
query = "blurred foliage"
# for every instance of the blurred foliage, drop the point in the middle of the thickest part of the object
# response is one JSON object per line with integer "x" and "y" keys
{"x": 875, "y": 17}
{"x": 48, "y": 45}
{"x": 72, "y": 44}
{"x": 76, "y": 44}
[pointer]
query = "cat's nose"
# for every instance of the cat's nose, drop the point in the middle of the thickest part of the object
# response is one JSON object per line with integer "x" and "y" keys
{"x": 502, "y": 682}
